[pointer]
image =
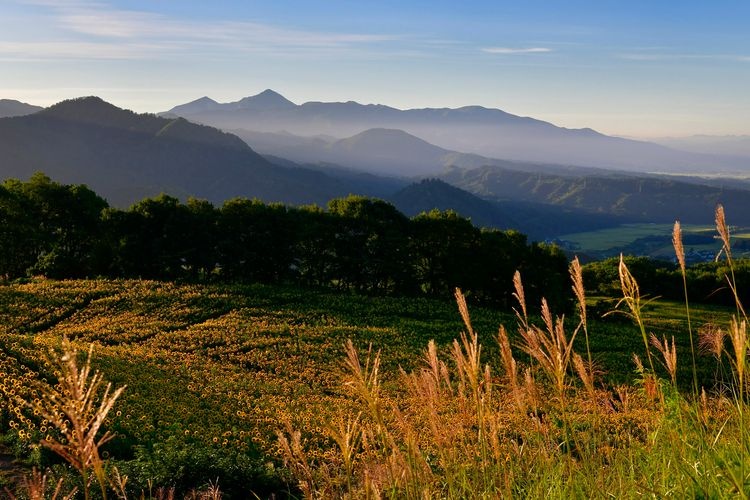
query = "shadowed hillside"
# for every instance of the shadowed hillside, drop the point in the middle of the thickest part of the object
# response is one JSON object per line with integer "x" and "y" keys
{"x": 126, "y": 156}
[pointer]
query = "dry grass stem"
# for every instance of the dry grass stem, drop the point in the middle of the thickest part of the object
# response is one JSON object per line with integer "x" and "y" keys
{"x": 585, "y": 374}
{"x": 551, "y": 349}
{"x": 669, "y": 353}
{"x": 711, "y": 340}
{"x": 463, "y": 309}
{"x": 523, "y": 317}
{"x": 631, "y": 296}
{"x": 35, "y": 486}
{"x": 510, "y": 366}
{"x": 738, "y": 337}
{"x": 576, "y": 276}
{"x": 679, "y": 250}
{"x": 723, "y": 230}
{"x": 295, "y": 458}
{"x": 347, "y": 436}
{"x": 77, "y": 408}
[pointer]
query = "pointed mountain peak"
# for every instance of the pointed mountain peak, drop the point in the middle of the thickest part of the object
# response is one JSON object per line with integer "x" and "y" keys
{"x": 196, "y": 106}
{"x": 205, "y": 102}
{"x": 266, "y": 100}
{"x": 388, "y": 139}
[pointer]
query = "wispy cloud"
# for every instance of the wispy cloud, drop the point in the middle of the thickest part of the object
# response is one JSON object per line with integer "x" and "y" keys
{"x": 41, "y": 51}
{"x": 516, "y": 50}
{"x": 95, "y": 30}
{"x": 682, "y": 57}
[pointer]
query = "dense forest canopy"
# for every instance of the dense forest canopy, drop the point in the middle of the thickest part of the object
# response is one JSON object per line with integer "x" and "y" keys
{"x": 356, "y": 244}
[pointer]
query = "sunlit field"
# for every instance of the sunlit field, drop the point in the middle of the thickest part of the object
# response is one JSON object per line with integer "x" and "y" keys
{"x": 221, "y": 378}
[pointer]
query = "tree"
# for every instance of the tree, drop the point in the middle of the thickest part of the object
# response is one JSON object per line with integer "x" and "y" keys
{"x": 20, "y": 237}
{"x": 498, "y": 256}
{"x": 255, "y": 241}
{"x": 443, "y": 246}
{"x": 371, "y": 245}
{"x": 55, "y": 227}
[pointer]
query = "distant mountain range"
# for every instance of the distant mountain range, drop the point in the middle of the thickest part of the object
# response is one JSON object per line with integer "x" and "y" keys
{"x": 126, "y": 156}
{"x": 733, "y": 145}
{"x": 387, "y": 152}
{"x": 10, "y": 108}
{"x": 473, "y": 129}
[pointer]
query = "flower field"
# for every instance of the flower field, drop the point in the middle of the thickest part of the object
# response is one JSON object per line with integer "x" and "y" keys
{"x": 214, "y": 372}
{"x": 216, "y": 367}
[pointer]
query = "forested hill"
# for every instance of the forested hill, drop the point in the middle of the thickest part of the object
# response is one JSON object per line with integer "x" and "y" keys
{"x": 126, "y": 156}
{"x": 539, "y": 220}
{"x": 636, "y": 198}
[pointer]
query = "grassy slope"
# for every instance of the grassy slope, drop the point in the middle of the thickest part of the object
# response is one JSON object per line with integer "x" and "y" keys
{"x": 223, "y": 366}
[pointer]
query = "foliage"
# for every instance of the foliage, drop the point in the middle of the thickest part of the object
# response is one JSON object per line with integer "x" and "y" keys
{"x": 244, "y": 383}
{"x": 359, "y": 244}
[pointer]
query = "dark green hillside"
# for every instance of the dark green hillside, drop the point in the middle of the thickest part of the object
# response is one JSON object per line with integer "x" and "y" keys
{"x": 539, "y": 220}
{"x": 126, "y": 156}
{"x": 432, "y": 194}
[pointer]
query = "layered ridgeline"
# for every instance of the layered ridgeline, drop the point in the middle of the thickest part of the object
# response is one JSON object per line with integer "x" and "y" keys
{"x": 389, "y": 152}
{"x": 734, "y": 145}
{"x": 471, "y": 129}
{"x": 634, "y": 198}
{"x": 126, "y": 156}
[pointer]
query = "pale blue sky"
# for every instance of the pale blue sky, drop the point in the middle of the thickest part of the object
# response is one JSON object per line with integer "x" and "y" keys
{"x": 636, "y": 68}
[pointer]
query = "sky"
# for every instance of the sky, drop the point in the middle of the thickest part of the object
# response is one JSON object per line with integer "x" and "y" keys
{"x": 637, "y": 68}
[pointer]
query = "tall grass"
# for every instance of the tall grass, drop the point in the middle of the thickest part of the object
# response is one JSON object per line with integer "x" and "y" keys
{"x": 534, "y": 422}
{"x": 455, "y": 429}
{"x": 76, "y": 408}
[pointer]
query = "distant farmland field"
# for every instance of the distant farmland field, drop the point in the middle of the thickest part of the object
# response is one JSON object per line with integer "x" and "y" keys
{"x": 653, "y": 240}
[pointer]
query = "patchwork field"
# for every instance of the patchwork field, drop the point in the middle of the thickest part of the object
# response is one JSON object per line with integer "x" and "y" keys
{"x": 653, "y": 240}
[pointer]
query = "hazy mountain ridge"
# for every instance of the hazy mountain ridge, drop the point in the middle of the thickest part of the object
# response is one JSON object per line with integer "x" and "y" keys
{"x": 126, "y": 156}
{"x": 387, "y": 152}
{"x": 731, "y": 145}
{"x": 10, "y": 108}
{"x": 471, "y": 129}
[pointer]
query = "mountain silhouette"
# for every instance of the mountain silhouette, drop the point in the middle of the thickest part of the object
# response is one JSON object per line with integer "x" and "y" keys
{"x": 125, "y": 156}
{"x": 9, "y": 107}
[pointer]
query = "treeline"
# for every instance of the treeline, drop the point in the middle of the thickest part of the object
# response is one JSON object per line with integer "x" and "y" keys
{"x": 706, "y": 282}
{"x": 356, "y": 244}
